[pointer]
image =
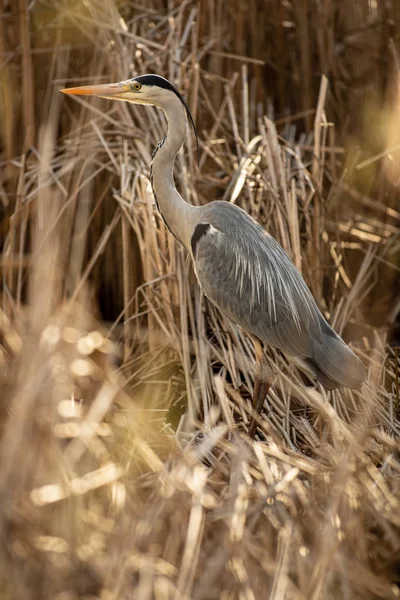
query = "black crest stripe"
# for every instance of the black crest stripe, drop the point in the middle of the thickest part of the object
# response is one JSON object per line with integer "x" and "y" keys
{"x": 161, "y": 82}
{"x": 199, "y": 231}
{"x": 158, "y": 81}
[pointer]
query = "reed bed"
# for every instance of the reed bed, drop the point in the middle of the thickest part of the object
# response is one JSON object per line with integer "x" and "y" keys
{"x": 125, "y": 468}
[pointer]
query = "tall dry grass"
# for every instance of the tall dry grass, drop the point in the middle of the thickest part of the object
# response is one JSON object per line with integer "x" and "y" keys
{"x": 125, "y": 469}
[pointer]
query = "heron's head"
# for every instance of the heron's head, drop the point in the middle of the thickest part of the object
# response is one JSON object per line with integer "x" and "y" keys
{"x": 144, "y": 89}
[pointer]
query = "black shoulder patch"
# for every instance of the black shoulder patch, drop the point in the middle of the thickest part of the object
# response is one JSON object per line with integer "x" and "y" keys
{"x": 199, "y": 231}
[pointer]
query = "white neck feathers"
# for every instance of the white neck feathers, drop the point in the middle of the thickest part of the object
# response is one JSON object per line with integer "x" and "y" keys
{"x": 173, "y": 208}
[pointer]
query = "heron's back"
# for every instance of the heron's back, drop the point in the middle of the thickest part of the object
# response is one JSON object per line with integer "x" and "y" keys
{"x": 247, "y": 274}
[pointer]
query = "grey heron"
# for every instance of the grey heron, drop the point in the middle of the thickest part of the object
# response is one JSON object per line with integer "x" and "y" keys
{"x": 241, "y": 268}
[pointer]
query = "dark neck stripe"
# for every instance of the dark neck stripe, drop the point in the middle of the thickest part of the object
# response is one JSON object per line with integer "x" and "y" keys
{"x": 156, "y": 149}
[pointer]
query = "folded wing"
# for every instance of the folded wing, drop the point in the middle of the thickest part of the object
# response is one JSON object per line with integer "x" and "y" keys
{"x": 247, "y": 274}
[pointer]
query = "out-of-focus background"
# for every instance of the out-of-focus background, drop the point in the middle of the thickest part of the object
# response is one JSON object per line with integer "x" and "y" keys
{"x": 125, "y": 471}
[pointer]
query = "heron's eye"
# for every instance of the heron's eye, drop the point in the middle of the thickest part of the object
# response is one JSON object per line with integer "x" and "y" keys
{"x": 136, "y": 87}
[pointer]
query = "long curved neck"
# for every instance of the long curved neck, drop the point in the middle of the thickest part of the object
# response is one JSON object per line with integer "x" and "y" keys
{"x": 173, "y": 208}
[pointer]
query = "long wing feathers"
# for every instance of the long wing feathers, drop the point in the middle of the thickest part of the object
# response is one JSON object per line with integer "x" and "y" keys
{"x": 247, "y": 274}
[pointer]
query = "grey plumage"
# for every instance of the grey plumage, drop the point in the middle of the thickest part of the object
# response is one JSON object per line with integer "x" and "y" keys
{"x": 241, "y": 268}
{"x": 247, "y": 274}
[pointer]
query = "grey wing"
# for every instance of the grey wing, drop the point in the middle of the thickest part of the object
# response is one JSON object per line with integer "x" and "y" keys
{"x": 246, "y": 273}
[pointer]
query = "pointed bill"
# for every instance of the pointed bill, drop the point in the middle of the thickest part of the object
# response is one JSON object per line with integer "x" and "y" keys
{"x": 105, "y": 91}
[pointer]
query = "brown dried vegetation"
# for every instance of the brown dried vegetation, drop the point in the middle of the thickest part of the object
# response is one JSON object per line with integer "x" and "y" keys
{"x": 125, "y": 469}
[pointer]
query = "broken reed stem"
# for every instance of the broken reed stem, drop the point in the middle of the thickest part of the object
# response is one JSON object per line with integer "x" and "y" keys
{"x": 127, "y": 287}
{"x": 315, "y": 247}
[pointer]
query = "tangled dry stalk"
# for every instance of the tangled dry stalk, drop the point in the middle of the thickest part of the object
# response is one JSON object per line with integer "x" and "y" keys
{"x": 125, "y": 467}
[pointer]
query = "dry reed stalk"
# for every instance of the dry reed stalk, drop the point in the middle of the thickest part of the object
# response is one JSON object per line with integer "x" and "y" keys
{"x": 27, "y": 75}
{"x": 317, "y": 170}
{"x": 6, "y": 98}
